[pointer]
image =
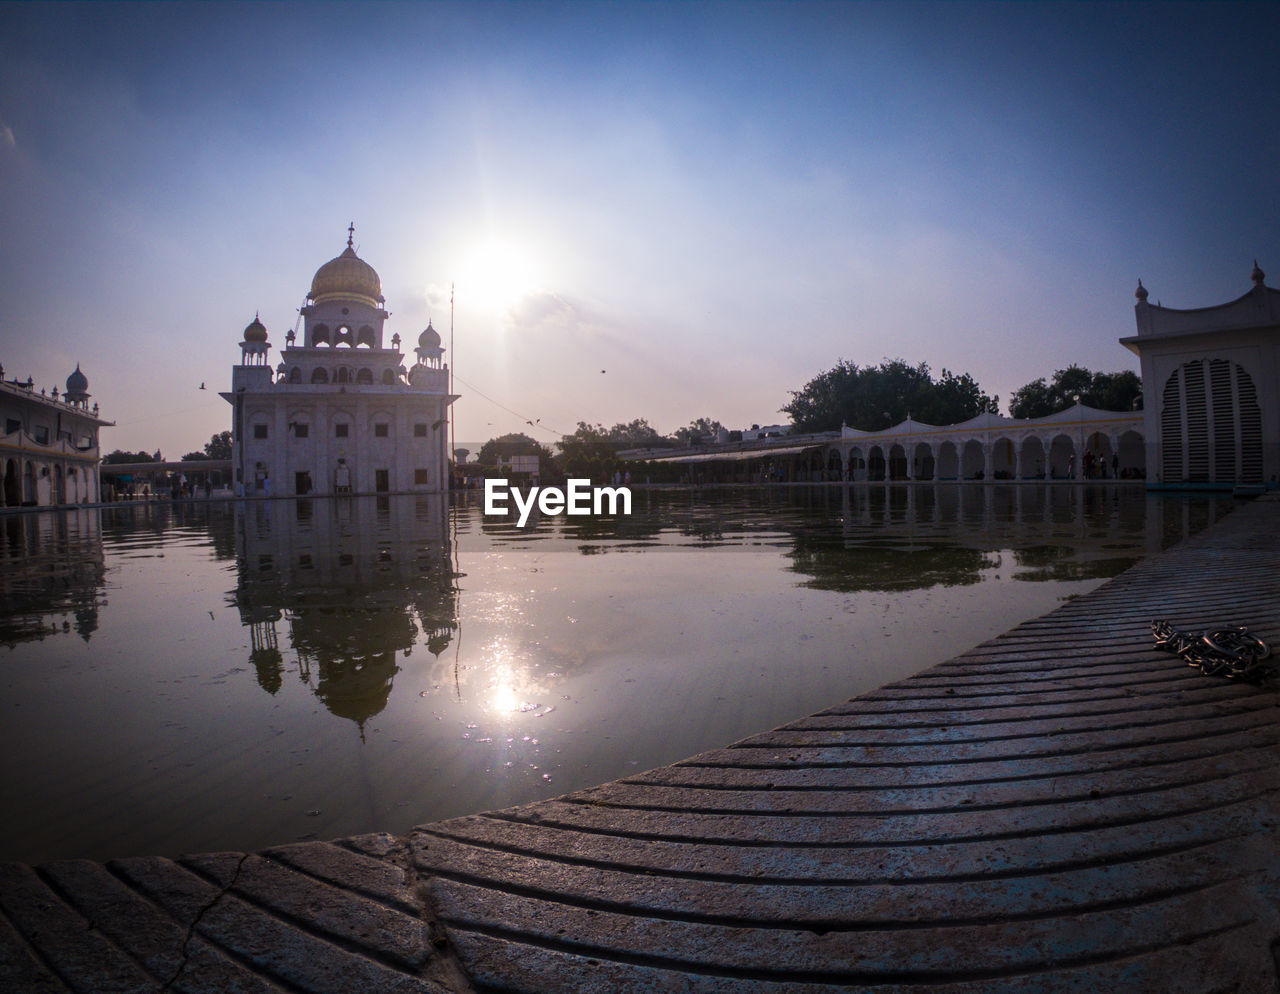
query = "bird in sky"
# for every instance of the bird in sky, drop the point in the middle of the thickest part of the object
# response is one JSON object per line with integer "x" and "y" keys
{"x": 201, "y": 384}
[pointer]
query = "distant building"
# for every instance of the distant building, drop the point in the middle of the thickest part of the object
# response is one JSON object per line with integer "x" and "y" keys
{"x": 50, "y": 443}
{"x": 1211, "y": 382}
{"x": 340, "y": 413}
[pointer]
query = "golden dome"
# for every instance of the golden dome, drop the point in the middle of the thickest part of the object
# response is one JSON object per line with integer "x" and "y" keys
{"x": 347, "y": 276}
{"x": 255, "y": 331}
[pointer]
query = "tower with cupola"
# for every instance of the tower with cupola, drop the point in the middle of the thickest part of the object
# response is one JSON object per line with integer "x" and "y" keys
{"x": 340, "y": 413}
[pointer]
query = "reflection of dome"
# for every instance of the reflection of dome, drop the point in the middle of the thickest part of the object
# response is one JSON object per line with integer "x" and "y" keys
{"x": 77, "y": 382}
{"x": 347, "y": 276}
{"x": 355, "y": 688}
{"x": 429, "y": 339}
{"x": 256, "y": 331}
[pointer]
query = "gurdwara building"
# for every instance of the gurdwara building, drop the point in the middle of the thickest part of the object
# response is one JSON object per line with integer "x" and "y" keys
{"x": 340, "y": 413}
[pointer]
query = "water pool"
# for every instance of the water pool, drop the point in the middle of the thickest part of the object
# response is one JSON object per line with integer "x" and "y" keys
{"x": 226, "y": 675}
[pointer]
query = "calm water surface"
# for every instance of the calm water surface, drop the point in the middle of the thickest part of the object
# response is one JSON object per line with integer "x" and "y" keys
{"x": 223, "y": 676}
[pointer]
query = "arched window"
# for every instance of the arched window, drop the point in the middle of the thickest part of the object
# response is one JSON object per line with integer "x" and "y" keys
{"x": 320, "y": 335}
{"x": 319, "y": 375}
{"x": 344, "y": 375}
{"x": 389, "y": 377}
{"x": 295, "y": 375}
{"x": 365, "y": 336}
{"x": 342, "y": 336}
{"x": 1210, "y": 424}
{"x": 364, "y": 376}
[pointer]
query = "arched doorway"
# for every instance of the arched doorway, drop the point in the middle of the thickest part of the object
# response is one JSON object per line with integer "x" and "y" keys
{"x": 922, "y": 461}
{"x": 1062, "y": 458}
{"x": 1003, "y": 459}
{"x": 12, "y": 490}
{"x": 1033, "y": 459}
{"x": 1096, "y": 460}
{"x": 972, "y": 463}
{"x": 875, "y": 463}
{"x": 948, "y": 462}
{"x": 857, "y": 464}
{"x": 1133, "y": 457}
{"x": 897, "y": 462}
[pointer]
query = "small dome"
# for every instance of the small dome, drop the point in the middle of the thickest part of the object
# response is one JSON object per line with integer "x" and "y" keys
{"x": 429, "y": 339}
{"x": 256, "y": 331}
{"x": 77, "y": 382}
{"x": 1141, "y": 292}
{"x": 347, "y": 276}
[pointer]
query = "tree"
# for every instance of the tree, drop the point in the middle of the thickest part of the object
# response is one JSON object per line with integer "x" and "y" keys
{"x": 196, "y": 457}
{"x": 120, "y": 456}
{"x": 219, "y": 446}
{"x": 516, "y": 444}
{"x": 876, "y": 397}
{"x": 1121, "y": 391}
{"x": 592, "y": 449}
{"x": 699, "y": 430}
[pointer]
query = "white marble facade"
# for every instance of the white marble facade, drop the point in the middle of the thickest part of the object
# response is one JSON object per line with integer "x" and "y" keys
{"x": 1211, "y": 383}
{"x": 340, "y": 412}
{"x": 49, "y": 453}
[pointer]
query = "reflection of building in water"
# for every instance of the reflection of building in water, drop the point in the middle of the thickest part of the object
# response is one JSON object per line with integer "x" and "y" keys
{"x": 909, "y": 538}
{"x": 340, "y": 414}
{"x": 52, "y": 573}
{"x": 49, "y": 447}
{"x": 1210, "y": 378}
{"x": 354, "y": 582}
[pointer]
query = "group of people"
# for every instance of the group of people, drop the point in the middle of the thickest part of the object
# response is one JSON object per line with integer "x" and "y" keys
{"x": 181, "y": 488}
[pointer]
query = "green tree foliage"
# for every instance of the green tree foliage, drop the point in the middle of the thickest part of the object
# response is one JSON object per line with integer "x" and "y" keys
{"x": 591, "y": 449}
{"x": 698, "y": 430}
{"x": 219, "y": 446}
{"x": 876, "y": 397}
{"x": 514, "y": 444}
{"x": 120, "y": 456}
{"x": 1120, "y": 391}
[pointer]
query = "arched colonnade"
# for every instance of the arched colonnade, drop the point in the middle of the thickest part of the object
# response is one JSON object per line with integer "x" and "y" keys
{"x": 1077, "y": 444}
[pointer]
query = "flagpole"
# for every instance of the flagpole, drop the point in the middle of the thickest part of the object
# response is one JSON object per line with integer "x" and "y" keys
{"x": 452, "y": 360}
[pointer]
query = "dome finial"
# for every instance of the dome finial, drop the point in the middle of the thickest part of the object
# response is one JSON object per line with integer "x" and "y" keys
{"x": 351, "y": 234}
{"x": 1257, "y": 275}
{"x": 1141, "y": 292}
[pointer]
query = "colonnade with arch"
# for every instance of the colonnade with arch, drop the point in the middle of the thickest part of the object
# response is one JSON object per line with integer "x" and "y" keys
{"x": 1100, "y": 456}
{"x": 1080, "y": 443}
{"x": 44, "y": 480}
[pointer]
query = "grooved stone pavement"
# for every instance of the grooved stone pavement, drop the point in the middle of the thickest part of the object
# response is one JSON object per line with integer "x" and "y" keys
{"x": 1059, "y": 809}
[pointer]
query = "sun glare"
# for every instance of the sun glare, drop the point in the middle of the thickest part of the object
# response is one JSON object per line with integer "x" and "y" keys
{"x": 497, "y": 273}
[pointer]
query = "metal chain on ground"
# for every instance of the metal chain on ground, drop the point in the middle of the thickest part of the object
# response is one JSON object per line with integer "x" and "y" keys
{"x": 1231, "y": 651}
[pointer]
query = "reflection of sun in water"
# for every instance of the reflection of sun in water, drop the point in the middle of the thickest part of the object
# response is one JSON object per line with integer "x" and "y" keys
{"x": 504, "y": 698}
{"x": 496, "y": 273}
{"x": 512, "y": 684}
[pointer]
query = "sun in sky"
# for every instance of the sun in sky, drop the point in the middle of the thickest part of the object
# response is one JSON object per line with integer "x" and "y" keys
{"x": 497, "y": 272}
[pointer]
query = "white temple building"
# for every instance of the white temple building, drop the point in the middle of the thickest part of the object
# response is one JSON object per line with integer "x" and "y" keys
{"x": 1211, "y": 380}
{"x": 340, "y": 413}
{"x": 49, "y": 448}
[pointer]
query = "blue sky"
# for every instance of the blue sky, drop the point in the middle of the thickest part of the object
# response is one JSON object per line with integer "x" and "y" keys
{"x": 713, "y": 202}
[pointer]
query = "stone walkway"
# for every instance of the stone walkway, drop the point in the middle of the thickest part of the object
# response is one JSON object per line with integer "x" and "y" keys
{"x": 1060, "y": 809}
